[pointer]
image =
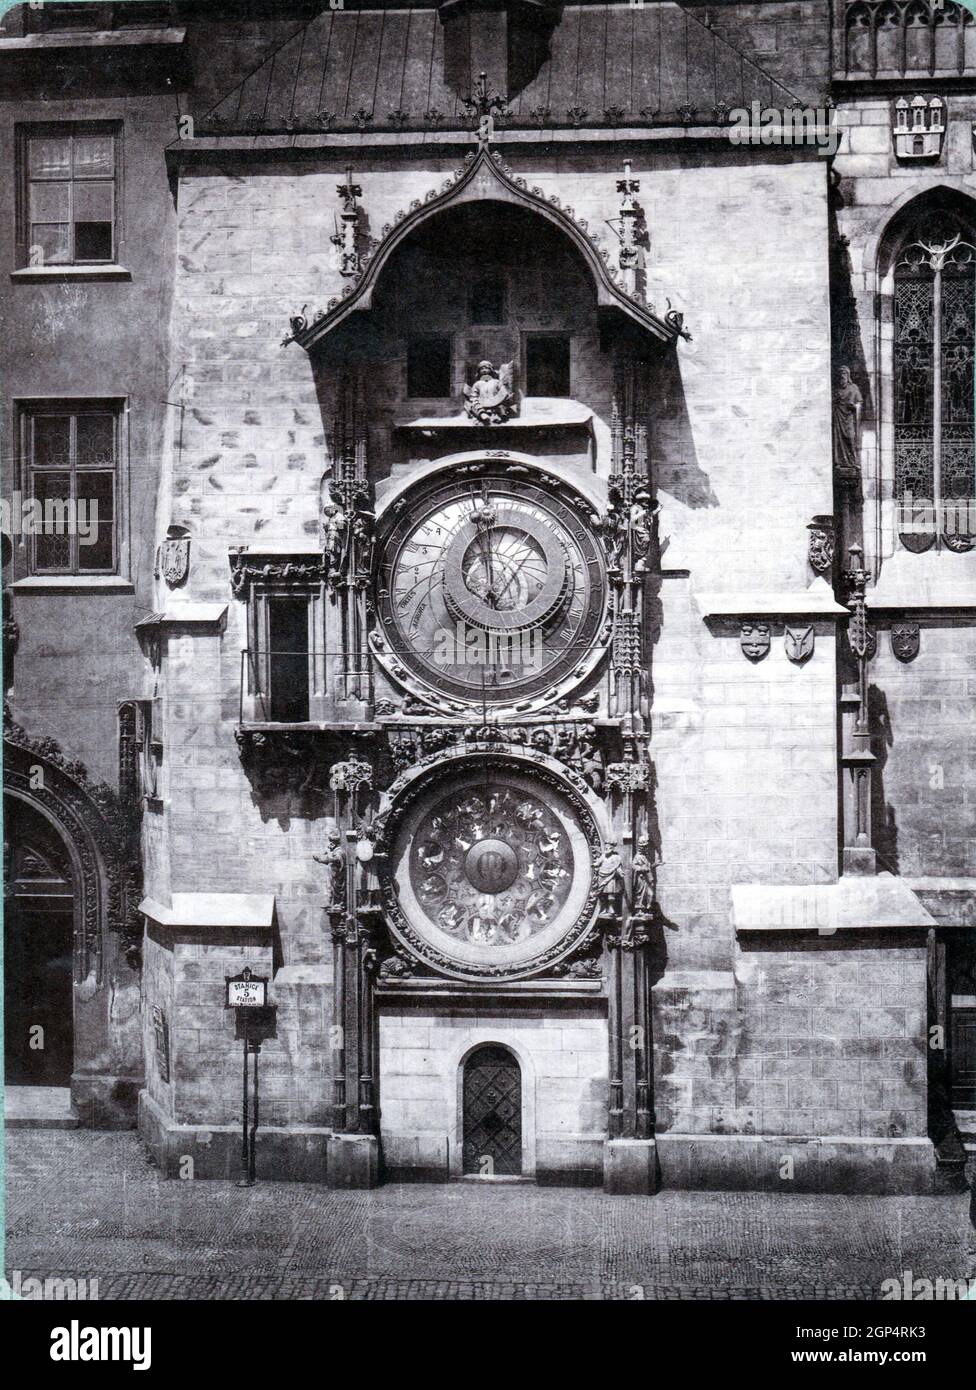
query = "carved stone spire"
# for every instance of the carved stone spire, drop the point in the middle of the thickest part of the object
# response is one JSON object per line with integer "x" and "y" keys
{"x": 485, "y": 105}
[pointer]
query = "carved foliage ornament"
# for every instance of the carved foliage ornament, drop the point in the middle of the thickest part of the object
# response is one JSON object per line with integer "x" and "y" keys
{"x": 247, "y": 571}
{"x": 353, "y": 775}
{"x": 626, "y": 777}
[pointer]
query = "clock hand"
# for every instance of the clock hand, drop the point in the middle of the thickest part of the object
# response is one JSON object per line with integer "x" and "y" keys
{"x": 483, "y": 524}
{"x": 489, "y": 551}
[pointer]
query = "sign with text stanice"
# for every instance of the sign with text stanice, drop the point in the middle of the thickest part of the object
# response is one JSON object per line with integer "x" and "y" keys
{"x": 247, "y": 995}
{"x": 246, "y": 991}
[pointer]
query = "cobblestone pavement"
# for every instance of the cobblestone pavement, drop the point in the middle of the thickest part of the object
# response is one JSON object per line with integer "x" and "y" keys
{"x": 89, "y": 1205}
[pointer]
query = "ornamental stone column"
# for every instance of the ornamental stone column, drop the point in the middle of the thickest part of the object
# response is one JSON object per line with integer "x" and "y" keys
{"x": 353, "y": 1150}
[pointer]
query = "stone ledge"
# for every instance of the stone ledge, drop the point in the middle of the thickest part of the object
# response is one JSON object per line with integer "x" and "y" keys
{"x": 45, "y": 274}
{"x": 854, "y": 903}
{"x": 845, "y": 1164}
{"x": 535, "y": 412}
{"x": 952, "y": 901}
{"x": 73, "y": 584}
{"x": 198, "y": 910}
{"x": 95, "y": 38}
{"x": 428, "y": 987}
{"x": 187, "y": 615}
{"x": 38, "y": 1107}
{"x": 410, "y": 140}
{"x": 817, "y": 601}
{"x": 933, "y": 580}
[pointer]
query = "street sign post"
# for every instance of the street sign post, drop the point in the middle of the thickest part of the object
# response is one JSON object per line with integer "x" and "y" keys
{"x": 247, "y": 995}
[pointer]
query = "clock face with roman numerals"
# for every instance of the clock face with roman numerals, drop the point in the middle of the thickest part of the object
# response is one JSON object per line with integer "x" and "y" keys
{"x": 492, "y": 589}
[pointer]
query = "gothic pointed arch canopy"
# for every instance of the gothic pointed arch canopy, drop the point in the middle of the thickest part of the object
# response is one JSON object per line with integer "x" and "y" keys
{"x": 485, "y": 177}
{"x": 101, "y": 837}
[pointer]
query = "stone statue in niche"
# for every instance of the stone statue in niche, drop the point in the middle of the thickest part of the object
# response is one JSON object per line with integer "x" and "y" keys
{"x": 848, "y": 408}
{"x": 642, "y": 883}
{"x": 335, "y": 526}
{"x": 609, "y": 873}
{"x": 334, "y": 859}
{"x": 640, "y": 529}
{"x": 490, "y": 399}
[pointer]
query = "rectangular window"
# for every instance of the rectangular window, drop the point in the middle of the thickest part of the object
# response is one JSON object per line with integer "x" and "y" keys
{"x": 69, "y": 176}
{"x": 288, "y": 668}
{"x": 70, "y": 472}
{"x": 547, "y": 364}
{"x": 429, "y": 367}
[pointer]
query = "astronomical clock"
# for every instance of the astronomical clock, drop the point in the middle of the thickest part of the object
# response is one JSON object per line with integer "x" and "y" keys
{"x": 492, "y": 591}
{"x": 493, "y": 606}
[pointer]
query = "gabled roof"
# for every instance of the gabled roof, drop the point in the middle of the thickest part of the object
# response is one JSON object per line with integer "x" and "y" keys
{"x": 485, "y": 176}
{"x": 388, "y": 68}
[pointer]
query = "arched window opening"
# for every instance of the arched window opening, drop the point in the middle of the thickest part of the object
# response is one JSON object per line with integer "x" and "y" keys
{"x": 934, "y": 264}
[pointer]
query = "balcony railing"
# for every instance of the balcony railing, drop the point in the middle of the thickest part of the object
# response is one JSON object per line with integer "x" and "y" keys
{"x": 289, "y": 687}
{"x": 903, "y": 40}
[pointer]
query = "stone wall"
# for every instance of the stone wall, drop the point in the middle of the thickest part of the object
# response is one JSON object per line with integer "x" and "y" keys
{"x": 925, "y": 743}
{"x": 751, "y": 405}
{"x": 789, "y": 39}
{"x": 562, "y": 1050}
{"x": 785, "y": 1044}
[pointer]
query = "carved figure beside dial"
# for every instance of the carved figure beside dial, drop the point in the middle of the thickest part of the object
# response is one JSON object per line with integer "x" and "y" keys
{"x": 491, "y": 591}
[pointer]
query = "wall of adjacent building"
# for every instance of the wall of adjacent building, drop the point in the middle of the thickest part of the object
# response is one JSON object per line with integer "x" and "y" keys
{"x": 925, "y": 783}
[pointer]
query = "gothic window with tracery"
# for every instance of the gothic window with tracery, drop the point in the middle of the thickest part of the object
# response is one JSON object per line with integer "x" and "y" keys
{"x": 934, "y": 338}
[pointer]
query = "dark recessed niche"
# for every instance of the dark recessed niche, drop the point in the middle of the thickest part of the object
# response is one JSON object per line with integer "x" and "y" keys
{"x": 547, "y": 364}
{"x": 429, "y": 366}
{"x": 487, "y": 304}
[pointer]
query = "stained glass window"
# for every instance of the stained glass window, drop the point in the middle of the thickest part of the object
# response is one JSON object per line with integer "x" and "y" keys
{"x": 935, "y": 407}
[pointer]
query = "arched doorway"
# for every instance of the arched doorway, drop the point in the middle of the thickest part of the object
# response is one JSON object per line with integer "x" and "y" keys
{"x": 38, "y": 950}
{"x": 492, "y": 1113}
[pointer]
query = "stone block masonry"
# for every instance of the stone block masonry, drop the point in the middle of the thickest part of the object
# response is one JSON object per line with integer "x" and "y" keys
{"x": 562, "y": 1053}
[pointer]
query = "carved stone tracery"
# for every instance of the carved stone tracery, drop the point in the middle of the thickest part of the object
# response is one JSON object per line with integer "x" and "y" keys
{"x": 101, "y": 833}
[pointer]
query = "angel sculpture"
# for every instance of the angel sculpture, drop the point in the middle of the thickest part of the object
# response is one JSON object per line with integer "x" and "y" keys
{"x": 490, "y": 399}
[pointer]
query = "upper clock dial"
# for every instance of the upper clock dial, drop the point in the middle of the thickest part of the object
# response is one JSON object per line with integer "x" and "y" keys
{"x": 491, "y": 590}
